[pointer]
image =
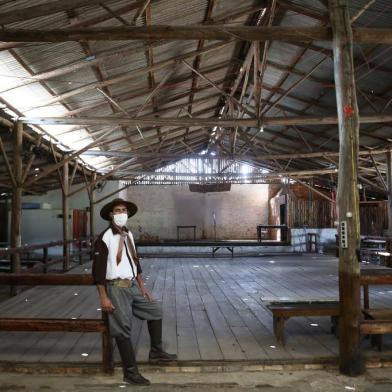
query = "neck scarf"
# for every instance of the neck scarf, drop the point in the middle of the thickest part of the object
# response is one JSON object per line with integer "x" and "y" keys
{"x": 124, "y": 237}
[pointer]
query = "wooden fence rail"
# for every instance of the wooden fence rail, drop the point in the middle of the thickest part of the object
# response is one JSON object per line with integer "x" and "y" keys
{"x": 63, "y": 325}
{"x": 378, "y": 276}
{"x": 45, "y": 261}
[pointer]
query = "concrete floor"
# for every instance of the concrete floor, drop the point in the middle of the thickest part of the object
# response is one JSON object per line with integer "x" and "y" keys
{"x": 375, "y": 380}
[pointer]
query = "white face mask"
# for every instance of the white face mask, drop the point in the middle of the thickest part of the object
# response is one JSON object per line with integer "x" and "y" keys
{"x": 120, "y": 219}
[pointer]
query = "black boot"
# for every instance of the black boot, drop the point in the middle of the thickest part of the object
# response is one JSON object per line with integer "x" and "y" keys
{"x": 156, "y": 353}
{"x": 131, "y": 372}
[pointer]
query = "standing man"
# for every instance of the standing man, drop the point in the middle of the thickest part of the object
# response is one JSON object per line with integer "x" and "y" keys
{"x": 118, "y": 276}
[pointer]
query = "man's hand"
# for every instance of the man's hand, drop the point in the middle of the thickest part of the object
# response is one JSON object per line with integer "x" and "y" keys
{"x": 142, "y": 288}
{"x": 146, "y": 293}
{"x": 106, "y": 305}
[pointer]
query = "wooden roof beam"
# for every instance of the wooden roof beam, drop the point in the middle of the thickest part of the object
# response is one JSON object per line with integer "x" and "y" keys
{"x": 183, "y": 33}
{"x": 294, "y": 155}
{"x": 299, "y": 173}
{"x": 205, "y": 122}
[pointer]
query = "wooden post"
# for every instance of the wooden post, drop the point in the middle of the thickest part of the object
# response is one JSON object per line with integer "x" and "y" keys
{"x": 92, "y": 211}
{"x": 45, "y": 259}
{"x": 389, "y": 188}
{"x": 80, "y": 248}
{"x": 389, "y": 206}
{"x": 65, "y": 190}
{"x": 16, "y": 212}
{"x": 348, "y": 197}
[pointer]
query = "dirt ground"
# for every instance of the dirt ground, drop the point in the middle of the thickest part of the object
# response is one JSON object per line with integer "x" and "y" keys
{"x": 375, "y": 380}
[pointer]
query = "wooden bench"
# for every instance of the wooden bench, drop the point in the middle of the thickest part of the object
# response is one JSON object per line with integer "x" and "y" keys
{"x": 377, "y": 322}
{"x": 59, "y": 325}
{"x": 283, "y": 310}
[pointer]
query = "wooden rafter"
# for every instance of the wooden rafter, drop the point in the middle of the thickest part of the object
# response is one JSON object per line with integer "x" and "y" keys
{"x": 248, "y": 33}
{"x": 265, "y": 157}
{"x": 206, "y": 122}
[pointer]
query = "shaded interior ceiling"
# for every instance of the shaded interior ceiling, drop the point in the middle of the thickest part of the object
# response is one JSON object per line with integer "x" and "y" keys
{"x": 154, "y": 78}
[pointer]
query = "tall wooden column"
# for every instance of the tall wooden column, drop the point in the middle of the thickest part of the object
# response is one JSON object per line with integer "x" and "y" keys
{"x": 65, "y": 188}
{"x": 16, "y": 211}
{"x": 348, "y": 196}
{"x": 91, "y": 195}
{"x": 389, "y": 184}
{"x": 389, "y": 205}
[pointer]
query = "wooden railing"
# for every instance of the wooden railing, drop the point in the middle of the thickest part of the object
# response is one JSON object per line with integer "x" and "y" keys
{"x": 45, "y": 261}
{"x": 53, "y": 324}
{"x": 377, "y": 276}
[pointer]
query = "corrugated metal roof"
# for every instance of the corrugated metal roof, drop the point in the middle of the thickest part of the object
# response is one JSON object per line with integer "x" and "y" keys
{"x": 287, "y": 64}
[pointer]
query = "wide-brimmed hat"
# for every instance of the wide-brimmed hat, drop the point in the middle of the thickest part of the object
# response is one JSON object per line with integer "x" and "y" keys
{"x": 108, "y": 208}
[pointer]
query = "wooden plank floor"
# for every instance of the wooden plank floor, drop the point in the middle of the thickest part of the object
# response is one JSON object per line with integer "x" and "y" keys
{"x": 213, "y": 310}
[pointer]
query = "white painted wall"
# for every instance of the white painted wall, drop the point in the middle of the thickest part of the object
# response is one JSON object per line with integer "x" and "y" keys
{"x": 43, "y": 225}
{"x": 162, "y": 208}
{"x": 326, "y": 238}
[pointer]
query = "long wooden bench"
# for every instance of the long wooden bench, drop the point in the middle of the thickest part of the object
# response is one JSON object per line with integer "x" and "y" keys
{"x": 52, "y": 325}
{"x": 59, "y": 325}
{"x": 377, "y": 323}
{"x": 283, "y": 310}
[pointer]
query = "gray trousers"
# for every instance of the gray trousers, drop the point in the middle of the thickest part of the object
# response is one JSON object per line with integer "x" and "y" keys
{"x": 128, "y": 302}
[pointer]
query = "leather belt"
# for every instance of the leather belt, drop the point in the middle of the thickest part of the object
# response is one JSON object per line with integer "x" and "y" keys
{"x": 124, "y": 283}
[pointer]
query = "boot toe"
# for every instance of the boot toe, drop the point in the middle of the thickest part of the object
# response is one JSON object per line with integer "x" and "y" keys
{"x": 161, "y": 356}
{"x": 136, "y": 379}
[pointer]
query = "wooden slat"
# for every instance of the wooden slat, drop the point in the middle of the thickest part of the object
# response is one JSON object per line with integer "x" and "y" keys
{"x": 376, "y": 327}
{"x": 47, "y": 325}
{"x": 376, "y": 276}
{"x": 46, "y": 279}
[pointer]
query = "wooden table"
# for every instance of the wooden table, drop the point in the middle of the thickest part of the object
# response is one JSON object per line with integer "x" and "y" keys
{"x": 283, "y": 228}
{"x": 186, "y": 227}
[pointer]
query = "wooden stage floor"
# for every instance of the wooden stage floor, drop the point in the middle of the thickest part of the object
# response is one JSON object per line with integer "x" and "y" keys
{"x": 213, "y": 310}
